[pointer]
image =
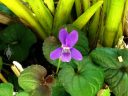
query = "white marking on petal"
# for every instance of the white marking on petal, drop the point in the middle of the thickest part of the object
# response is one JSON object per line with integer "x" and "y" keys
{"x": 66, "y": 50}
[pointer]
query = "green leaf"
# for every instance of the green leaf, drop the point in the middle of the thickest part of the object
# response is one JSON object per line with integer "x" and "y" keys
{"x": 33, "y": 80}
{"x": 115, "y": 71}
{"x": 32, "y": 77}
{"x": 42, "y": 13}
{"x": 22, "y": 94}
{"x": 58, "y": 89}
{"x": 62, "y": 14}
{"x": 16, "y": 40}
{"x": 81, "y": 21}
{"x": 50, "y": 5}
{"x": 6, "y": 89}
{"x": 51, "y": 43}
{"x": 112, "y": 22}
{"x": 86, "y": 80}
{"x": 25, "y": 15}
{"x": 41, "y": 91}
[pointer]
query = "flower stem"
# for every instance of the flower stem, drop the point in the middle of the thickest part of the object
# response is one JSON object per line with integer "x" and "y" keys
{"x": 3, "y": 78}
{"x": 59, "y": 62}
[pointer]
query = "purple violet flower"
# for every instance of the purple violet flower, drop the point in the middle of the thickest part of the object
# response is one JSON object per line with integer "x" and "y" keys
{"x": 66, "y": 51}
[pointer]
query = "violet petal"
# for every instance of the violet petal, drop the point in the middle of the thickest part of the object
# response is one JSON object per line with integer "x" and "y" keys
{"x": 72, "y": 38}
{"x": 56, "y": 53}
{"x": 66, "y": 57}
{"x": 75, "y": 54}
{"x": 62, "y": 36}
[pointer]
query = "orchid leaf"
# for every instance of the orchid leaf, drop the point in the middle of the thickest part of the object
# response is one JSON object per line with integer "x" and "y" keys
{"x": 25, "y": 15}
{"x": 51, "y": 43}
{"x": 42, "y": 13}
{"x": 62, "y": 14}
{"x": 85, "y": 80}
{"x": 16, "y": 40}
{"x": 6, "y": 89}
{"x": 111, "y": 29}
{"x": 80, "y": 22}
{"x": 114, "y": 63}
{"x": 50, "y": 5}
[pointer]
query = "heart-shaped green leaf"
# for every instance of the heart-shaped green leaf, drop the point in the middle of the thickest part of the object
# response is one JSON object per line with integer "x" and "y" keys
{"x": 32, "y": 77}
{"x": 58, "y": 89}
{"x": 86, "y": 80}
{"x": 33, "y": 80}
{"x": 6, "y": 89}
{"x": 116, "y": 69}
{"x": 51, "y": 43}
{"x": 16, "y": 40}
{"x": 22, "y": 94}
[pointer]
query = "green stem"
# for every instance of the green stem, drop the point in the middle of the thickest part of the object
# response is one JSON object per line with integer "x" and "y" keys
{"x": 59, "y": 62}
{"x": 24, "y": 14}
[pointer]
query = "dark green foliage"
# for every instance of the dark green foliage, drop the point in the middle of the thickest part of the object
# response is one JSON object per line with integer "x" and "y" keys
{"x": 16, "y": 40}
{"x": 58, "y": 89}
{"x": 115, "y": 71}
{"x": 85, "y": 80}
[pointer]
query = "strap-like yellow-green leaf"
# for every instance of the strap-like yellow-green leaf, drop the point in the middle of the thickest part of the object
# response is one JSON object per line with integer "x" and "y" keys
{"x": 78, "y": 7}
{"x": 112, "y": 21}
{"x": 42, "y": 13}
{"x": 62, "y": 14}
{"x": 50, "y": 5}
{"x": 25, "y": 14}
{"x": 93, "y": 26}
{"x": 85, "y": 17}
{"x": 125, "y": 19}
{"x": 86, "y": 4}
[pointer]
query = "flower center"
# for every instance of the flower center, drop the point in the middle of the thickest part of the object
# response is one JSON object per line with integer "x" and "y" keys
{"x": 66, "y": 49}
